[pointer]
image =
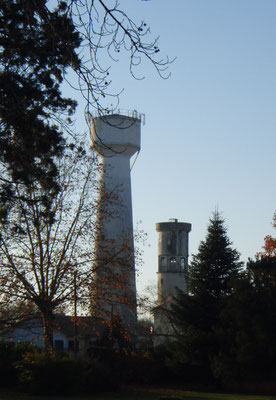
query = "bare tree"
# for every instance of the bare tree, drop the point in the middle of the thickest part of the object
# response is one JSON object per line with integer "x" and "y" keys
{"x": 105, "y": 27}
{"x": 14, "y": 312}
{"x": 44, "y": 243}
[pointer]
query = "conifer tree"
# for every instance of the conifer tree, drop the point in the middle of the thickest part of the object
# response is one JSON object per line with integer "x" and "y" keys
{"x": 216, "y": 262}
{"x": 196, "y": 316}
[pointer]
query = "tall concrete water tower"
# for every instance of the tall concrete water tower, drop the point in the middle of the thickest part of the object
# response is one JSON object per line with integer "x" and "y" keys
{"x": 173, "y": 244}
{"x": 116, "y": 138}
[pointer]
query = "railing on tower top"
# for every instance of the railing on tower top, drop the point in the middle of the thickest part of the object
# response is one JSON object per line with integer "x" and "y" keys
{"x": 127, "y": 113}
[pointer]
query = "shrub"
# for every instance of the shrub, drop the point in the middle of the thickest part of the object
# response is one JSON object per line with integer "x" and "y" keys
{"x": 10, "y": 353}
{"x": 99, "y": 377}
{"x": 50, "y": 374}
{"x": 139, "y": 369}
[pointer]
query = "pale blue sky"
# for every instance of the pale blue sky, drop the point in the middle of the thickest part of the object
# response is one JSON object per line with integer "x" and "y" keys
{"x": 209, "y": 139}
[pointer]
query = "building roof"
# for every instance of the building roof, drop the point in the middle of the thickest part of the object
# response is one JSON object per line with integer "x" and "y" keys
{"x": 65, "y": 324}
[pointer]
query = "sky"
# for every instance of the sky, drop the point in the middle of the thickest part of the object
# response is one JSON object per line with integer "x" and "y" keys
{"x": 209, "y": 139}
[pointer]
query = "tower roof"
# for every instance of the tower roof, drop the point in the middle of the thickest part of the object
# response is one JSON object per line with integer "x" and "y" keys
{"x": 173, "y": 225}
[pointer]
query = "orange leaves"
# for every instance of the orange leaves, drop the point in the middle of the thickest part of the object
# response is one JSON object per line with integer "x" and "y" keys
{"x": 270, "y": 246}
{"x": 269, "y": 243}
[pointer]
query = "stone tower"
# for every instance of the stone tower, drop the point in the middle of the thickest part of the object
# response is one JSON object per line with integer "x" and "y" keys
{"x": 173, "y": 242}
{"x": 115, "y": 138}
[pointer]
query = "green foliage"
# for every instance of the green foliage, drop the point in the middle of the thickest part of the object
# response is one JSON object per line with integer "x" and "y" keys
{"x": 226, "y": 325}
{"x": 139, "y": 369}
{"x": 44, "y": 373}
{"x": 36, "y": 47}
{"x": 10, "y": 353}
{"x": 231, "y": 341}
{"x": 115, "y": 349}
{"x": 39, "y": 372}
{"x": 115, "y": 339}
{"x": 194, "y": 319}
{"x": 247, "y": 332}
{"x": 263, "y": 270}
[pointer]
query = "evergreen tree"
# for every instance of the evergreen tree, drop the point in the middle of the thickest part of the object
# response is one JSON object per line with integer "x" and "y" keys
{"x": 196, "y": 316}
{"x": 36, "y": 47}
{"x": 215, "y": 264}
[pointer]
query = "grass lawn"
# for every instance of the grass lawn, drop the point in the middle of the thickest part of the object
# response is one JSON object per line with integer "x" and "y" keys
{"x": 139, "y": 394}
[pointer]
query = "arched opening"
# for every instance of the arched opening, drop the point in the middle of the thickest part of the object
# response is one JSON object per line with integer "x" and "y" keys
{"x": 172, "y": 263}
{"x": 182, "y": 263}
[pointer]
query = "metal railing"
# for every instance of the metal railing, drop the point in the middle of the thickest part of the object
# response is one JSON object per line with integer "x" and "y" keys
{"x": 127, "y": 113}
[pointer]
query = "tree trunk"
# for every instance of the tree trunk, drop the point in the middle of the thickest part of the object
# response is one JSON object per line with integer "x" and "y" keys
{"x": 47, "y": 319}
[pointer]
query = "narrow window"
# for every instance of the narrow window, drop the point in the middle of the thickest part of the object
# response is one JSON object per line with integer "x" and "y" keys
{"x": 173, "y": 262}
{"x": 182, "y": 263}
{"x": 163, "y": 261}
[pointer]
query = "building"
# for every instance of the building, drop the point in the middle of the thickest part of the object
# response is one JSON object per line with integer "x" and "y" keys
{"x": 87, "y": 332}
{"x": 173, "y": 246}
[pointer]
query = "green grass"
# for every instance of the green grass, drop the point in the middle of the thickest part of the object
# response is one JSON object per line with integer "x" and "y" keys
{"x": 139, "y": 394}
{"x": 189, "y": 395}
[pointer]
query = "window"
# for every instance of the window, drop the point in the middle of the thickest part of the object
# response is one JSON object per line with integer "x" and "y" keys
{"x": 182, "y": 263}
{"x": 163, "y": 262}
{"x": 173, "y": 262}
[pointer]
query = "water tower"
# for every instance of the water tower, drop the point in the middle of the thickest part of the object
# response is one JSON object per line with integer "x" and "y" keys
{"x": 173, "y": 244}
{"x": 115, "y": 138}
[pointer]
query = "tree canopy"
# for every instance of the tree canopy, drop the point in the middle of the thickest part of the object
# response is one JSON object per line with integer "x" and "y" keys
{"x": 269, "y": 247}
{"x": 40, "y": 42}
{"x": 263, "y": 267}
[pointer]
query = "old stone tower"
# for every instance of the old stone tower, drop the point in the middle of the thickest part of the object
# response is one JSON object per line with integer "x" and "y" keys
{"x": 173, "y": 243}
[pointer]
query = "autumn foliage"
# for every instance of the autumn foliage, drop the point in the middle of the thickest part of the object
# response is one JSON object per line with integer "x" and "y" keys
{"x": 269, "y": 243}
